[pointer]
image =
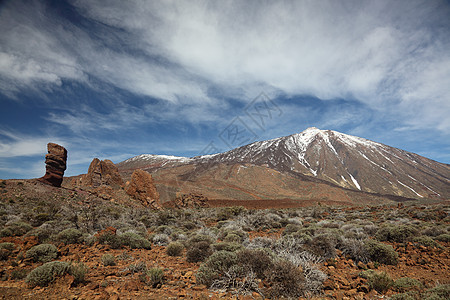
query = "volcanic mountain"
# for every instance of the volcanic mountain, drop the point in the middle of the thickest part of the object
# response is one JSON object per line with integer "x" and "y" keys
{"x": 278, "y": 168}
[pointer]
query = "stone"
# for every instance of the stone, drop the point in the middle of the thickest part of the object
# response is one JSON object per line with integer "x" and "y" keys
{"x": 102, "y": 172}
{"x": 191, "y": 201}
{"x": 55, "y": 165}
{"x": 142, "y": 189}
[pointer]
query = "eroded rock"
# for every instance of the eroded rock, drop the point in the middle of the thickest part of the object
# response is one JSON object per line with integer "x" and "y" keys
{"x": 102, "y": 172}
{"x": 143, "y": 189}
{"x": 55, "y": 164}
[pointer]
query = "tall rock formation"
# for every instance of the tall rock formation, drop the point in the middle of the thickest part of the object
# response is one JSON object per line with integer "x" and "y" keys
{"x": 55, "y": 162}
{"x": 143, "y": 189}
{"x": 102, "y": 172}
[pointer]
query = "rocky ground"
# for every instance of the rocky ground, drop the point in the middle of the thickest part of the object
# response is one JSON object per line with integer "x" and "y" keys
{"x": 46, "y": 213}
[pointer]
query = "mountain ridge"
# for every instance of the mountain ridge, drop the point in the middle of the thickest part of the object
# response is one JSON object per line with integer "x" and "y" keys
{"x": 344, "y": 160}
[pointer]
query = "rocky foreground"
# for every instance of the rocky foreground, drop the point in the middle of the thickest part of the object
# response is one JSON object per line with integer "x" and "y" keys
{"x": 62, "y": 244}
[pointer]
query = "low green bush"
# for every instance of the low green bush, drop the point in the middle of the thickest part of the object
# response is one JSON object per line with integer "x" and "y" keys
{"x": 19, "y": 274}
{"x": 135, "y": 241}
{"x": 291, "y": 228}
{"x": 406, "y": 296}
{"x": 397, "y": 234}
{"x": 5, "y": 250}
{"x": 18, "y": 228}
{"x": 130, "y": 239}
{"x": 47, "y": 273}
{"x": 257, "y": 260}
{"x": 405, "y": 284}
{"x": 108, "y": 260}
{"x": 78, "y": 271}
{"x": 425, "y": 241}
{"x": 226, "y": 246}
{"x": 215, "y": 266}
{"x": 175, "y": 249}
{"x": 441, "y": 291}
{"x": 69, "y": 236}
{"x": 285, "y": 280}
{"x": 380, "y": 282}
{"x": 155, "y": 277}
{"x": 198, "y": 248}
{"x": 42, "y": 253}
{"x": 443, "y": 237}
{"x": 380, "y": 252}
{"x": 323, "y": 245}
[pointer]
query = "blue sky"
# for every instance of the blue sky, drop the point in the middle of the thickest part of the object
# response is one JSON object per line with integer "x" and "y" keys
{"x": 114, "y": 79}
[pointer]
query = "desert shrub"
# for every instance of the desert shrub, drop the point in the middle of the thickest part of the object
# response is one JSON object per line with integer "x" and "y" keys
{"x": 199, "y": 238}
{"x": 16, "y": 228}
{"x": 441, "y": 291}
{"x": 113, "y": 240}
{"x": 314, "y": 277}
{"x": 7, "y": 246}
{"x": 397, "y": 234}
{"x": 226, "y": 246}
{"x": 285, "y": 280}
{"x": 287, "y": 244}
{"x": 155, "y": 277}
{"x": 291, "y": 228}
{"x": 175, "y": 249}
{"x": 78, "y": 271}
{"x": 139, "y": 267}
{"x": 108, "y": 260}
{"x": 19, "y": 274}
{"x": 161, "y": 239}
{"x": 232, "y": 235}
{"x": 323, "y": 245}
{"x": 45, "y": 274}
{"x": 261, "y": 242}
{"x": 5, "y": 250}
{"x": 198, "y": 248}
{"x": 135, "y": 241}
{"x": 405, "y": 284}
{"x": 380, "y": 282}
{"x": 164, "y": 229}
{"x": 381, "y": 253}
{"x": 433, "y": 231}
{"x": 229, "y": 212}
{"x": 256, "y": 260}
{"x": 406, "y": 296}
{"x": 215, "y": 266}
{"x": 425, "y": 241}
{"x": 198, "y": 251}
{"x": 165, "y": 217}
{"x": 355, "y": 248}
{"x": 43, "y": 253}
{"x": 69, "y": 236}
{"x": 443, "y": 237}
{"x": 238, "y": 281}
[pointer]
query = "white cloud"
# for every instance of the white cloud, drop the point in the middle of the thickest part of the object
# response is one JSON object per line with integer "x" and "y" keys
{"x": 392, "y": 56}
{"x": 15, "y": 145}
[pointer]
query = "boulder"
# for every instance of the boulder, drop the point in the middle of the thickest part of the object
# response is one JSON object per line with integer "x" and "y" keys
{"x": 143, "y": 189}
{"x": 102, "y": 172}
{"x": 191, "y": 201}
{"x": 55, "y": 164}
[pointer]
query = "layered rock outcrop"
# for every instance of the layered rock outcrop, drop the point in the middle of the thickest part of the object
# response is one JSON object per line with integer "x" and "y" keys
{"x": 102, "y": 172}
{"x": 143, "y": 189}
{"x": 55, "y": 165}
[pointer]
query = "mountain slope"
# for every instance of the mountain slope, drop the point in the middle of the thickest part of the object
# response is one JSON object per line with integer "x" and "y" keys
{"x": 343, "y": 160}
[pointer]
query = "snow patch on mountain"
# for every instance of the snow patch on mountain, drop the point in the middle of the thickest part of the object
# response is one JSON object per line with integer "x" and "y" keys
{"x": 355, "y": 182}
{"x": 410, "y": 189}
